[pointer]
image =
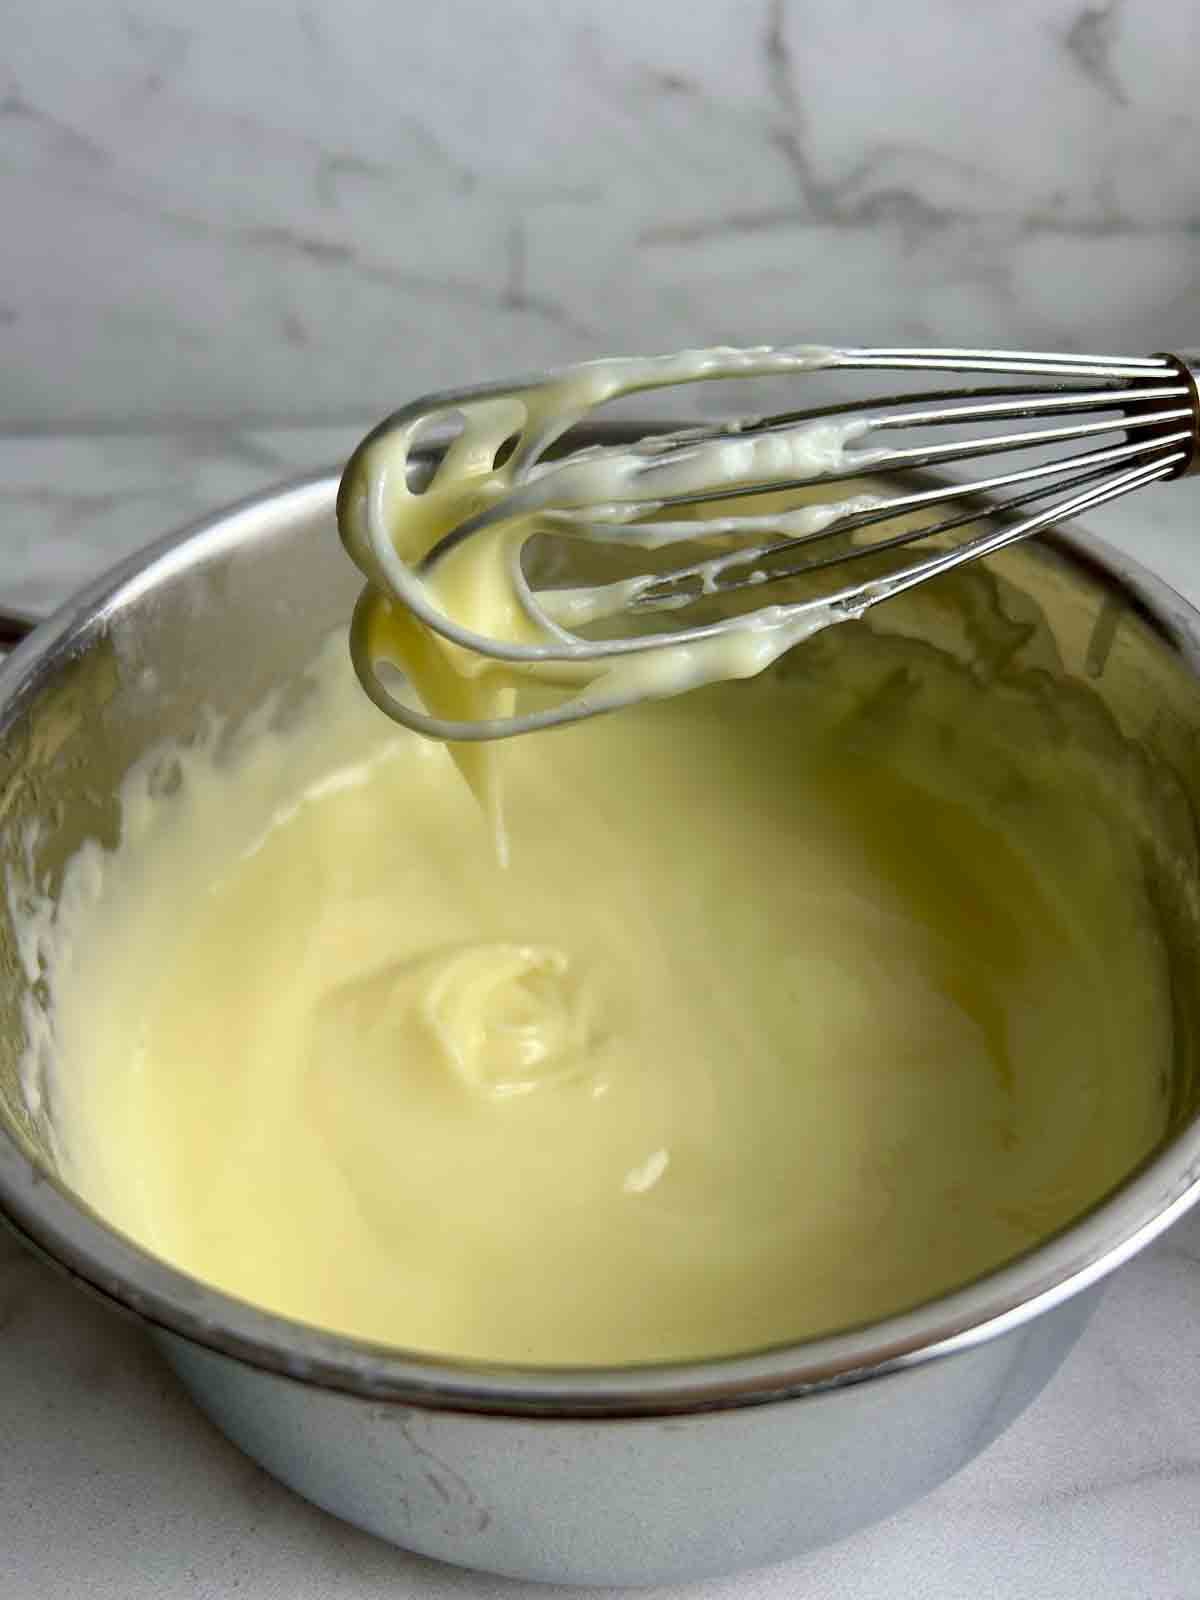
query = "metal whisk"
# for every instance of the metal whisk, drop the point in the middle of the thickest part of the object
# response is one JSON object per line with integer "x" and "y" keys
{"x": 1136, "y": 421}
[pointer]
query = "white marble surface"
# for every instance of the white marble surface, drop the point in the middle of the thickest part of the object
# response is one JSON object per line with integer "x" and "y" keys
{"x": 277, "y": 209}
{"x": 113, "y": 1488}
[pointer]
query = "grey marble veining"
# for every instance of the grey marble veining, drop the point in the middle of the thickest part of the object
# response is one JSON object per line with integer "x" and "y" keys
{"x": 311, "y": 210}
{"x": 113, "y": 1488}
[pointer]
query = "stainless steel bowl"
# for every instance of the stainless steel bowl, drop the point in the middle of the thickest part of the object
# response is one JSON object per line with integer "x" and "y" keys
{"x": 634, "y": 1475}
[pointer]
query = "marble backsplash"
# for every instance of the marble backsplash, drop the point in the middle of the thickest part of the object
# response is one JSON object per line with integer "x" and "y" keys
{"x": 312, "y": 211}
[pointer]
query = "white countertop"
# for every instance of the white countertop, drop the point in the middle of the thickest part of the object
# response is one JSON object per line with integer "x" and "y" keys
{"x": 113, "y": 1487}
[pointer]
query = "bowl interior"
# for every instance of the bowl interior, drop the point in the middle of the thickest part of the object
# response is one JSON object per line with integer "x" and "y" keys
{"x": 214, "y": 623}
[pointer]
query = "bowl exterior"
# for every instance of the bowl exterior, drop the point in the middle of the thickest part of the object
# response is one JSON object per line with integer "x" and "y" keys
{"x": 634, "y": 1500}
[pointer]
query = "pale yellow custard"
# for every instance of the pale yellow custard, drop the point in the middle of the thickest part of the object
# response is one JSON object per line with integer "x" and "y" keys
{"x": 444, "y": 603}
{"x": 801, "y": 999}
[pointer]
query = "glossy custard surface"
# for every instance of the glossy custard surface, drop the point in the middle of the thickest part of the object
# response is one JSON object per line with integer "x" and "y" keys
{"x": 798, "y": 1001}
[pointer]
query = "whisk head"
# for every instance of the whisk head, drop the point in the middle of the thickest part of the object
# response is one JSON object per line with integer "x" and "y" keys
{"x": 1043, "y": 436}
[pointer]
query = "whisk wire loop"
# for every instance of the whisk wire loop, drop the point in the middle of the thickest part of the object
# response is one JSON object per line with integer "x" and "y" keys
{"x": 1136, "y": 419}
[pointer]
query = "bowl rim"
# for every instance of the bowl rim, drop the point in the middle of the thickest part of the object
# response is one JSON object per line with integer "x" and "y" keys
{"x": 40, "y": 1208}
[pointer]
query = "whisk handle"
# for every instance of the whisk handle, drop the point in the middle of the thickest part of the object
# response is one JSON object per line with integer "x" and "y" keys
{"x": 1187, "y": 364}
